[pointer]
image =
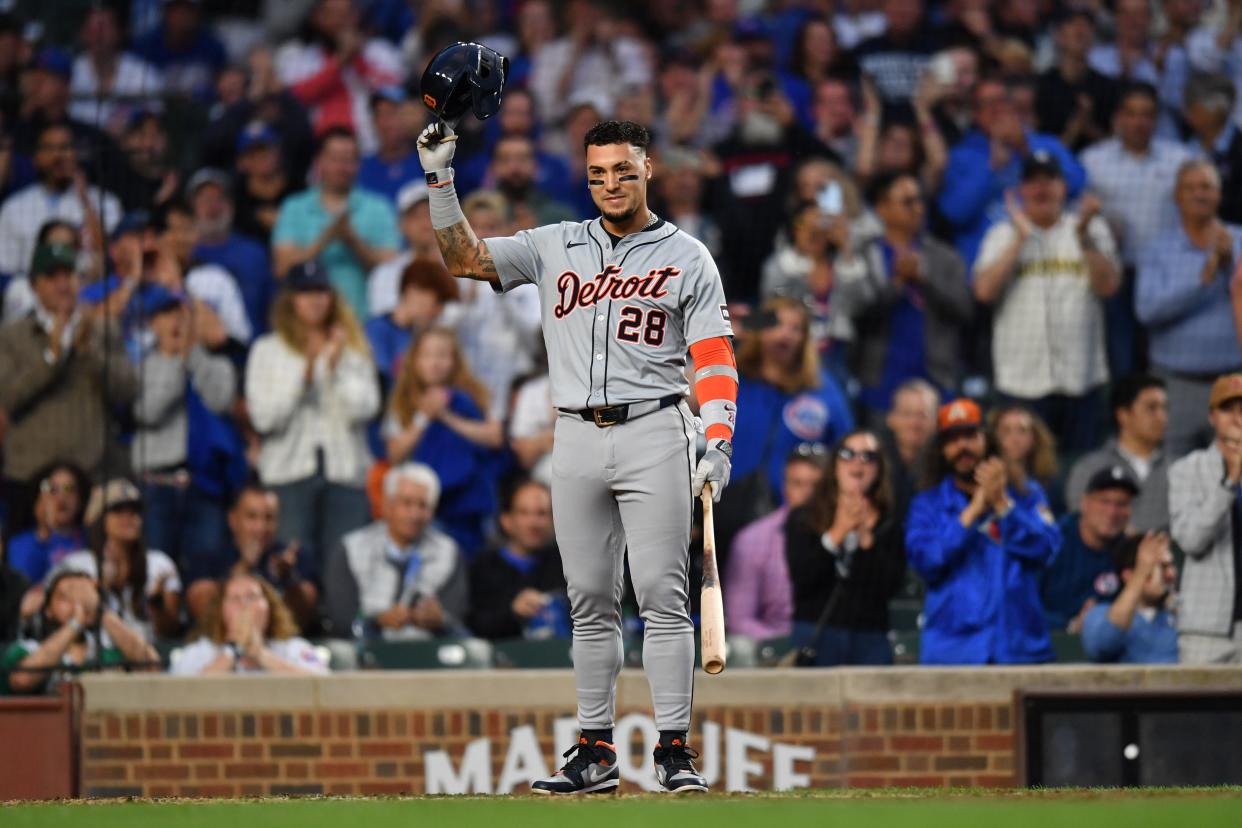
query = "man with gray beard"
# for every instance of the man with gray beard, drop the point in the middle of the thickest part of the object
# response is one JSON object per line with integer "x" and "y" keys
{"x": 211, "y": 195}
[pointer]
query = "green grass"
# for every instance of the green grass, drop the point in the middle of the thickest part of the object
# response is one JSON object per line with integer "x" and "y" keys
{"x": 1180, "y": 808}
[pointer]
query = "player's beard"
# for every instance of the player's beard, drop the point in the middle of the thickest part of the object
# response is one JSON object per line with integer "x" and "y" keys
{"x": 621, "y": 216}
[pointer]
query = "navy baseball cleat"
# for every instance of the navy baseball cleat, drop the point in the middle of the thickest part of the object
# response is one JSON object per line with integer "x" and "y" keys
{"x": 592, "y": 769}
{"x": 674, "y": 766}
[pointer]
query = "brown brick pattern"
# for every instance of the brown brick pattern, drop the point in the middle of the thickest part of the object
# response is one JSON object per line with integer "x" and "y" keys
{"x": 381, "y": 751}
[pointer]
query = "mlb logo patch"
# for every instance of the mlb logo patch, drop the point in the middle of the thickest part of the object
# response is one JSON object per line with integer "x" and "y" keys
{"x": 724, "y": 313}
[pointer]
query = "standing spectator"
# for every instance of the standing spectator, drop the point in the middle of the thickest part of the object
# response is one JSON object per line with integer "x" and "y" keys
{"x": 594, "y": 59}
{"x": 1133, "y": 175}
{"x": 1046, "y": 270}
{"x": 499, "y": 335}
{"x": 680, "y": 185}
{"x": 334, "y": 68}
{"x": 1182, "y": 296}
{"x": 395, "y": 160}
{"x": 399, "y": 578}
{"x": 979, "y": 550}
{"x": 348, "y": 230}
{"x": 61, "y": 192}
{"x": 988, "y": 162}
{"x": 59, "y": 373}
{"x": 58, "y": 523}
{"x": 1028, "y": 448}
{"x": 518, "y": 589}
{"x": 759, "y": 594}
{"x": 211, "y": 195}
{"x": 512, "y": 173}
{"x": 835, "y": 118}
{"x": 808, "y": 268}
{"x": 896, "y": 58}
{"x": 1082, "y": 573}
{"x": 438, "y": 417}
{"x": 1204, "y": 491}
{"x": 414, "y": 221}
{"x": 890, "y": 146}
{"x": 1210, "y": 102}
{"x": 44, "y": 101}
{"x": 1074, "y": 101}
{"x": 784, "y": 398}
{"x": 183, "y": 389}
{"x": 72, "y": 620}
{"x": 213, "y": 291}
{"x": 264, "y": 183}
{"x": 1129, "y": 57}
{"x": 143, "y": 175}
{"x": 310, "y": 390}
{"x": 255, "y": 550}
{"x": 909, "y": 303}
{"x": 910, "y": 426}
{"x": 1137, "y": 627}
{"x": 532, "y": 427}
{"x": 13, "y": 601}
{"x": 184, "y": 50}
{"x": 425, "y": 289}
{"x": 107, "y": 80}
{"x": 139, "y": 584}
{"x": 18, "y": 298}
{"x": 1141, "y": 409}
{"x": 1218, "y": 48}
{"x": 850, "y": 517}
{"x": 248, "y": 629}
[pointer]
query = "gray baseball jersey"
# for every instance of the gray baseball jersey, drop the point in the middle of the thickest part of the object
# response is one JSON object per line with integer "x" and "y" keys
{"x": 617, "y": 321}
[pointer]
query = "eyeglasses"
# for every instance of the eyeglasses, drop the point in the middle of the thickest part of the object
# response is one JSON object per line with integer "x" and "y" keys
{"x": 867, "y": 456}
{"x": 48, "y": 487}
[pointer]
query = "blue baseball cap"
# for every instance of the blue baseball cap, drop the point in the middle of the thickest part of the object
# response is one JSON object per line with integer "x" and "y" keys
{"x": 55, "y": 61}
{"x": 391, "y": 93}
{"x": 134, "y": 221}
{"x": 155, "y": 298}
{"x": 256, "y": 133}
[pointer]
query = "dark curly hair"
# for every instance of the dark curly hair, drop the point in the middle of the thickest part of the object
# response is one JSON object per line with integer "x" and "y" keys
{"x": 617, "y": 132}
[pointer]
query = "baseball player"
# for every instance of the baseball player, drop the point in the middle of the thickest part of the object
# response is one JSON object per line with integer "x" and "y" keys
{"x": 623, "y": 297}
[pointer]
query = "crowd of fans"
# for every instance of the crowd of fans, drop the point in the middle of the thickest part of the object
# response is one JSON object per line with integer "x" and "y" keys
{"x": 241, "y": 399}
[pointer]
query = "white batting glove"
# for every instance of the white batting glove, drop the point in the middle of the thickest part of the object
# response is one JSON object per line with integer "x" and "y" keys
{"x": 435, "y": 147}
{"x": 714, "y": 468}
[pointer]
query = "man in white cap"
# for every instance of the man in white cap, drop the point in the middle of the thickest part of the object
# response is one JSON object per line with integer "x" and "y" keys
{"x": 414, "y": 221}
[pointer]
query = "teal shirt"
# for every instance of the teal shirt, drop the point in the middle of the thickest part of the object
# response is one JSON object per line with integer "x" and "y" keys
{"x": 303, "y": 218}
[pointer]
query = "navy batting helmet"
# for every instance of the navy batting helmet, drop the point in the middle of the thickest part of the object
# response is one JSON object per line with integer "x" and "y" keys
{"x": 465, "y": 77}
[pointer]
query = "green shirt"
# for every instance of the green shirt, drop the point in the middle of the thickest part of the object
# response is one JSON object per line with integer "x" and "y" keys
{"x": 19, "y": 650}
{"x": 302, "y": 219}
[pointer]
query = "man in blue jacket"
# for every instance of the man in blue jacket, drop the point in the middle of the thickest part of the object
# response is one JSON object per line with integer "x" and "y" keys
{"x": 988, "y": 161}
{"x": 980, "y": 550}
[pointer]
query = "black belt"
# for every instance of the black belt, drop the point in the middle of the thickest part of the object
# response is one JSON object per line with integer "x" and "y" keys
{"x": 611, "y": 415}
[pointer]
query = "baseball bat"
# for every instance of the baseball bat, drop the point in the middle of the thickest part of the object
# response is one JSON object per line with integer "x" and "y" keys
{"x": 711, "y": 610}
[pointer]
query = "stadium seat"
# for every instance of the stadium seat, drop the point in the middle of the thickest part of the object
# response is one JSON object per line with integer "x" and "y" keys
{"x": 905, "y": 614}
{"x": 905, "y": 645}
{"x": 772, "y": 650}
{"x": 546, "y": 653}
{"x": 1068, "y": 648}
{"x": 450, "y": 654}
{"x": 741, "y": 651}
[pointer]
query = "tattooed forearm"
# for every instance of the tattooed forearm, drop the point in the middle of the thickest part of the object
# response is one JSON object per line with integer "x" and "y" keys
{"x": 465, "y": 254}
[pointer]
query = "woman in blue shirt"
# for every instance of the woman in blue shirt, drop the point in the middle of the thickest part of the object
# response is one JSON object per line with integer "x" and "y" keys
{"x": 437, "y": 417}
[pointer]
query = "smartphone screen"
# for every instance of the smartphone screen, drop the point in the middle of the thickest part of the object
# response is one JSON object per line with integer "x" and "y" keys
{"x": 830, "y": 199}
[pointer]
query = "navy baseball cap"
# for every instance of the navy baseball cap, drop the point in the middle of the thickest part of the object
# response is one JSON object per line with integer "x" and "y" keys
{"x": 55, "y": 61}
{"x": 156, "y": 298}
{"x": 1041, "y": 163}
{"x": 256, "y": 133}
{"x": 309, "y": 275}
{"x": 1113, "y": 477}
{"x": 134, "y": 221}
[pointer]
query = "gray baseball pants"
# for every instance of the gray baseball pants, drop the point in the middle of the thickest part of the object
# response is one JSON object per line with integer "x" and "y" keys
{"x": 618, "y": 490}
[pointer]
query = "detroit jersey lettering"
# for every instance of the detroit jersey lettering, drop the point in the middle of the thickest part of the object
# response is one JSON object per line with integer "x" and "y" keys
{"x": 617, "y": 321}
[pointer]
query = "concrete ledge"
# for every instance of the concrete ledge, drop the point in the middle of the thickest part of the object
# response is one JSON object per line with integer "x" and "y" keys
{"x": 554, "y": 689}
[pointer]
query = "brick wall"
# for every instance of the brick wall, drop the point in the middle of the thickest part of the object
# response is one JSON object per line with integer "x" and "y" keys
{"x": 382, "y": 751}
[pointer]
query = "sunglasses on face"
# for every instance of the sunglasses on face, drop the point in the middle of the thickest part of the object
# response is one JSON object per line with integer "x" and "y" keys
{"x": 867, "y": 456}
{"x": 48, "y": 487}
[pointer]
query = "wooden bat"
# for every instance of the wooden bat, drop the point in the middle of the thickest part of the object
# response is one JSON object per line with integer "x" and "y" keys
{"x": 711, "y": 610}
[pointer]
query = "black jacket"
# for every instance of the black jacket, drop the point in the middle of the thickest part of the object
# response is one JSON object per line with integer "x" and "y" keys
{"x": 875, "y": 575}
{"x": 494, "y": 583}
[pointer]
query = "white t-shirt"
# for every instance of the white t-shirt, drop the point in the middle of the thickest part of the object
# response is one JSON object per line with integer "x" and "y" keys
{"x": 1048, "y": 329}
{"x": 533, "y": 414}
{"x": 217, "y": 288}
{"x": 194, "y": 658}
{"x": 26, "y": 210}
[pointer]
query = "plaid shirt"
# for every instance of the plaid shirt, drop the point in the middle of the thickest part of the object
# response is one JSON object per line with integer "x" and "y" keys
{"x": 1136, "y": 190}
{"x": 1201, "y": 513}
